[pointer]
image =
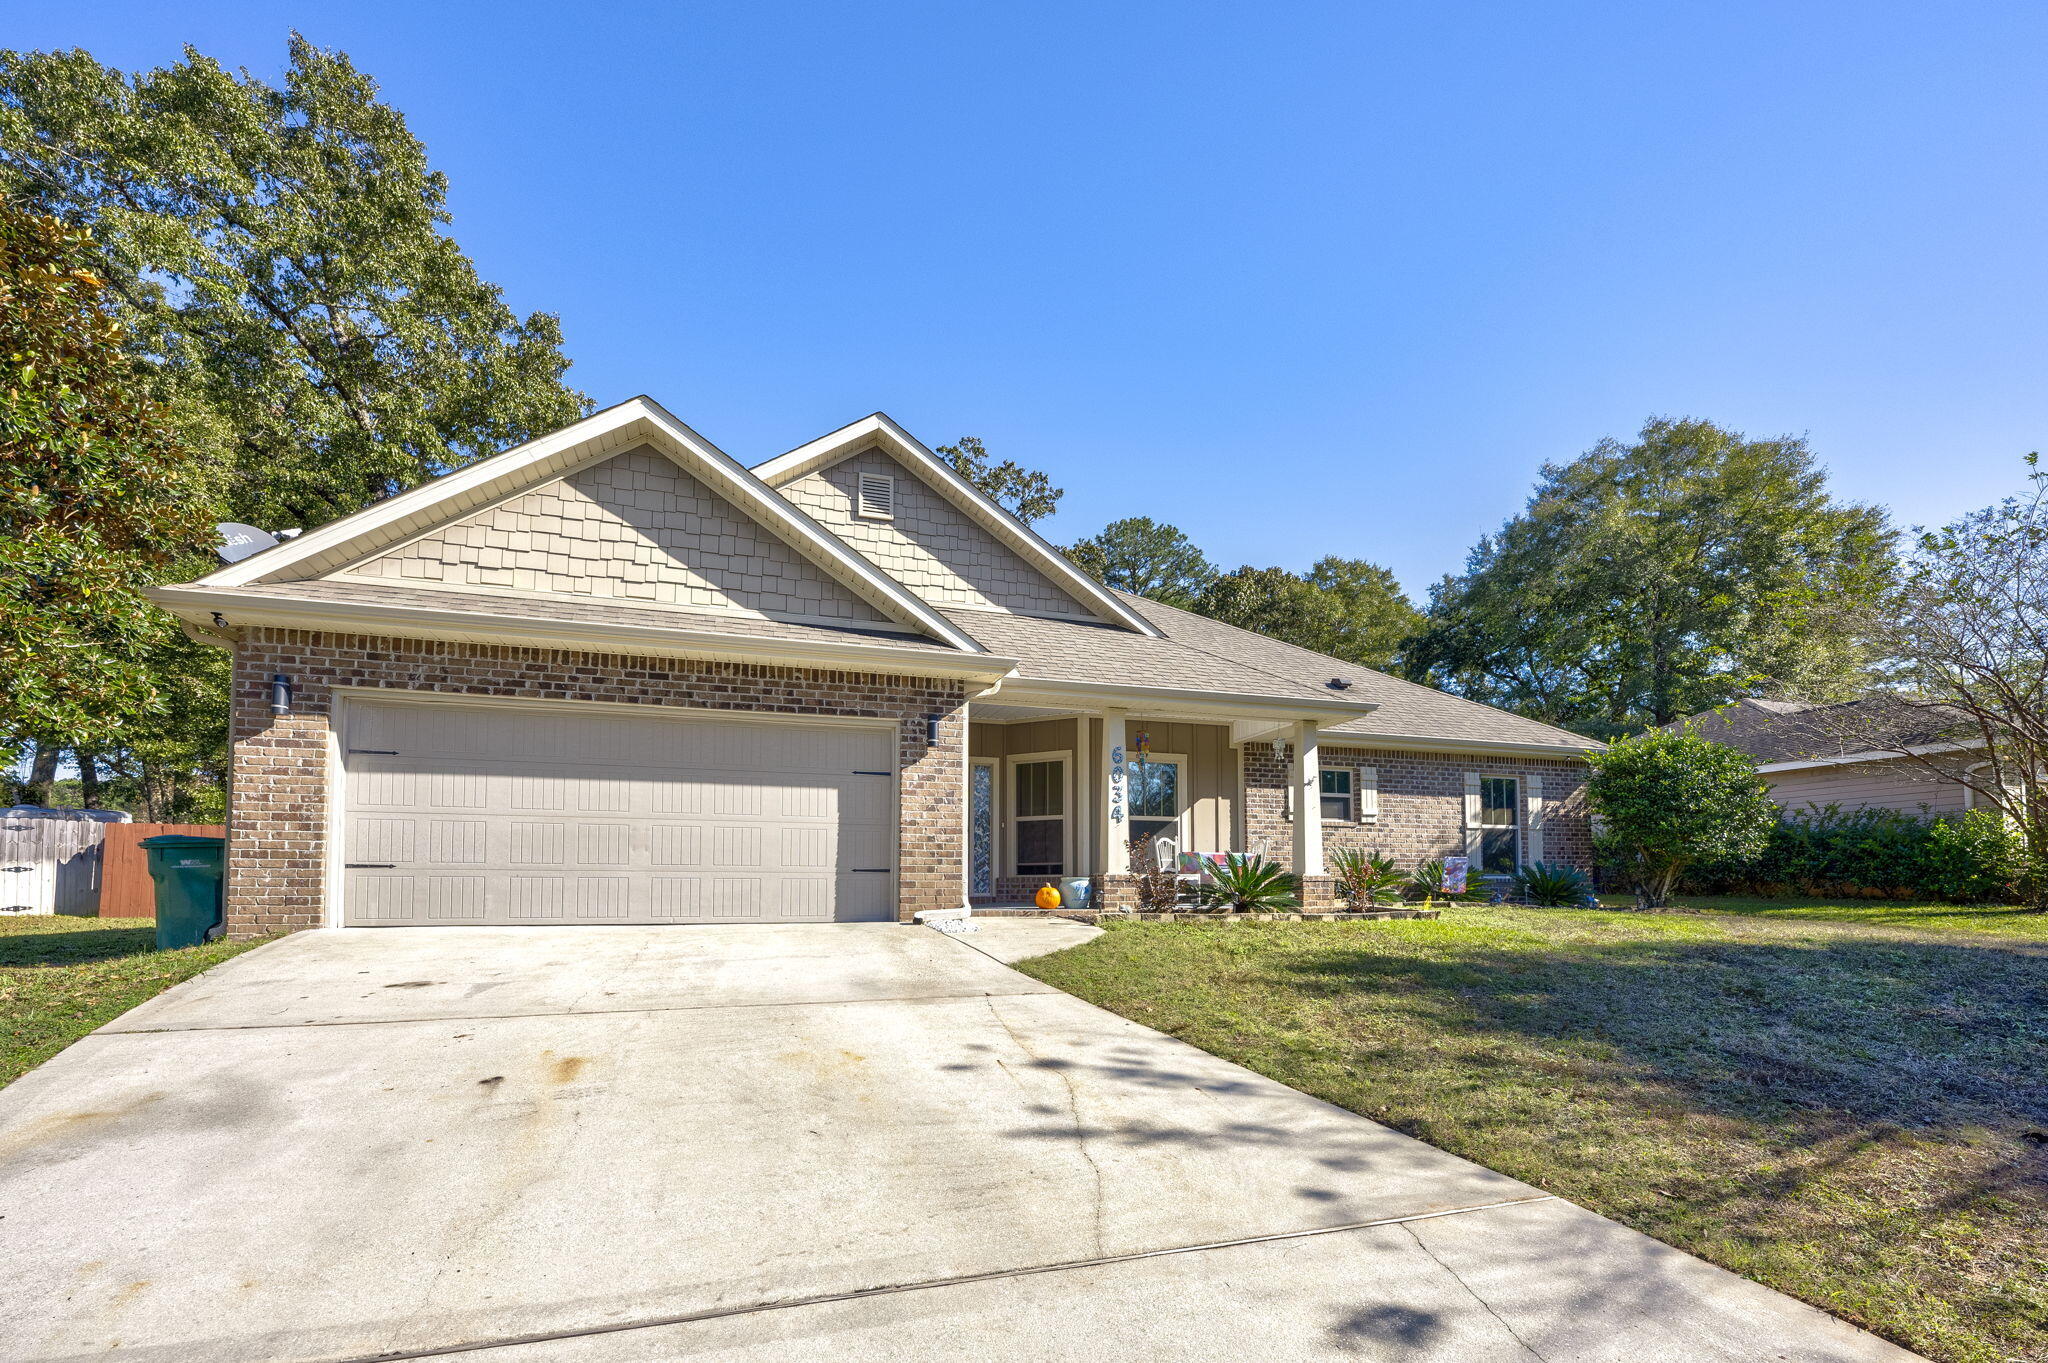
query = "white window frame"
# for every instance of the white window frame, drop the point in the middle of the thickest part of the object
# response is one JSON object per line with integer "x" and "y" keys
{"x": 1349, "y": 795}
{"x": 1514, "y": 825}
{"x": 1007, "y": 803}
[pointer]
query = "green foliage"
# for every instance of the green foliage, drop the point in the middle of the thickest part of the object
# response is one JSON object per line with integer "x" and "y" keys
{"x": 1431, "y": 882}
{"x": 277, "y": 254}
{"x": 1145, "y": 557}
{"x": 1970, "y": 858}
{"x": 1650, "y": 581}
{"x": 1345, "y": 608}
{"x": 1668, "y": 800}
{"x": 1367, "y": 878}
{"x": 1551, "y": 885}
{"x": 1246, "y": 884}
{"x": 1025, "y": 493}
{"x": 97, "y": 498}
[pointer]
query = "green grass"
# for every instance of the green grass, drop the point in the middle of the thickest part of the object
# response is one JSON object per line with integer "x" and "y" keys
{"x": 2005, "y": 921}
{"x": 1853, "y": 1113}
{"x": 60, "y": 977}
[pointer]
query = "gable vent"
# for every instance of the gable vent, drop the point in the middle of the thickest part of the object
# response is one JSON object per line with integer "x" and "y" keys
{"x": 877, "y": 497}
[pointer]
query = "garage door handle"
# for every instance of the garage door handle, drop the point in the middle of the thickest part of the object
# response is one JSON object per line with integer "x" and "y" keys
{"x": 871, "y": 773}
{"x": 871, "y": 870}
{"x": 369, "y": 866}
{"x": 376, "y": 752}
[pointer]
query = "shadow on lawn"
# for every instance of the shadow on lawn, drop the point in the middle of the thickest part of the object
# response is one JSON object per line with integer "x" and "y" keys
{"x": 76, "y": 948}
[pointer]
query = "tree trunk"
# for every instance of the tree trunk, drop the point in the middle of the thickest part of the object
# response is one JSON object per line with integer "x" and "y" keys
{"x": 42, "y": 774}
{"x": 89, "y": 780}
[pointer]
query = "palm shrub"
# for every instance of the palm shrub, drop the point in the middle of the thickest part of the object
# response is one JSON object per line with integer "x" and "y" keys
{"x": 1429, "y": 882}
{"x": 1551, "y": 885}
{"x": 1250, "y": 885}
{"x": 1367, "y": 878}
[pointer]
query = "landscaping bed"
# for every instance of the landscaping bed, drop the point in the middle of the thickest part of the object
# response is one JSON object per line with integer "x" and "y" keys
{"x": 1855, "y": 1113}
{"x": 1303, "y": 916}
{"x": 61, "y": 977}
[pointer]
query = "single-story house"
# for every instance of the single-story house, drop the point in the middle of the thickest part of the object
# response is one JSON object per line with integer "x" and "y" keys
{"x": 614, "y": 676}
{"x": 1859, "y": 754}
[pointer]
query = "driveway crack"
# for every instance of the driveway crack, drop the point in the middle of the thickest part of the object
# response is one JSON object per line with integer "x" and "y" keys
{"x": 1456, "y": 1277}
{"x": 1073, "y": 1111}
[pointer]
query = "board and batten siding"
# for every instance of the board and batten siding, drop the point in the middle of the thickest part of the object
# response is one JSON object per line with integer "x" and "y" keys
{"x": 1896, "y": 783}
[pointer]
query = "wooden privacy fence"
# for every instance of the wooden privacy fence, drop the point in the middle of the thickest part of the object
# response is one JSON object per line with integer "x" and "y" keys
{"x": 126, "y": 891}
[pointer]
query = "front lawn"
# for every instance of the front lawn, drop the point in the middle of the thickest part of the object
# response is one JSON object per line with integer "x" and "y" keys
{"x": 2003, "y": 920}
{"x": 60, "y": 977}
{"x": 1854, "y": 1114}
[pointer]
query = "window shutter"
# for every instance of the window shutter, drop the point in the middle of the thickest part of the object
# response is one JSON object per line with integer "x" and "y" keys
{"x": 877, "y": 496}
{"x": 1368, "y": 794}
{"x": 1474, "y": 848}
{"x": 1532, "y": 786}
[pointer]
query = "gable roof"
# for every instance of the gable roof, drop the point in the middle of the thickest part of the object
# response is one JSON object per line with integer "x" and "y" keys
{"x": 879, "y": 431}
{"x": 490, "y": 481}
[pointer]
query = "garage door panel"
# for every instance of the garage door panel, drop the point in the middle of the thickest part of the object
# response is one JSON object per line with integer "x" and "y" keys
{"x": 517, "y": 816}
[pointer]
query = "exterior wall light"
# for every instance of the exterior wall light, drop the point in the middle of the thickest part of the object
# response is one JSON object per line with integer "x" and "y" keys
{"x": 280, "y": 694}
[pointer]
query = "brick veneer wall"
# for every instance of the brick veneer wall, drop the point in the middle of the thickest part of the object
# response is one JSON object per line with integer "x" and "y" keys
{"x": 1422, "y": 803}
{"x": 278, "y": 798}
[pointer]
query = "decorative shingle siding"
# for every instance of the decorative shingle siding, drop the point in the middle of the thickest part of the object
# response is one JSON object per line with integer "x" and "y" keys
{"x": 1422, "y": 803}
{"x": 929, "y": 545}
{"x": 636, "y": 529}
{"x": 280, "y": 797}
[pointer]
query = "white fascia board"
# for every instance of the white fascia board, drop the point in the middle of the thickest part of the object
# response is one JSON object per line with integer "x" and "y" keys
{"x": 1340, "y": 738}
{"x": 1872, "y": 755}
{"x": 696, "y": 455}
{"x": 244, "y": 609}
{"x": 1223, "y": 705}
{"x": 1028, "y": 543}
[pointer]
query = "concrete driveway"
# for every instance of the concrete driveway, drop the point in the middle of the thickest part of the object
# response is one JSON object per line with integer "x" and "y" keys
{"x": 791, "y": 1143}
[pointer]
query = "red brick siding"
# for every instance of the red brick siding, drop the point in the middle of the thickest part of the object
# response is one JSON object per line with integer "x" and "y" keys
{"x": 1422, "y": 803}
{"x": 278, "y": 797}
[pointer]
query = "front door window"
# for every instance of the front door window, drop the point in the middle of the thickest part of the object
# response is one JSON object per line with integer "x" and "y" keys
{"x": 1155, "y": 802}
{"x": 1499, "y": 839}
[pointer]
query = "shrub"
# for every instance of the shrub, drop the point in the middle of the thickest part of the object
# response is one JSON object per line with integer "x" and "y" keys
{"x": 1158, "y": 891}
{"x": 1367, "y": 878}
{"x": 1428, "y": 883}
{"x": 1669, "y": 801}
{"x": 1250, "y": 885}
{"x": 1551, "y": 885}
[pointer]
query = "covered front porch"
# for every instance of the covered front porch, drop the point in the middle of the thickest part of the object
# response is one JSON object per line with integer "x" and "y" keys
{"x": 1065, "y": 791}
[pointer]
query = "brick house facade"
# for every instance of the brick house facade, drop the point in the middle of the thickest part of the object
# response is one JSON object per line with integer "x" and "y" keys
{"x": 627, "y": 584}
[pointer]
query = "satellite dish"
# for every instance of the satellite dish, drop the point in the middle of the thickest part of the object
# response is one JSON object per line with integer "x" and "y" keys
{"x": 238, "y": 541}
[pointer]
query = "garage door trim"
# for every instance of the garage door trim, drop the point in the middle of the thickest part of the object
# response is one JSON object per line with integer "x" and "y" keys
{"x": 347, "y": 698}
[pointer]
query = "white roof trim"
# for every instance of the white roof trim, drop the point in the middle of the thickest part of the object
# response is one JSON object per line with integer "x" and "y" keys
{"x": 194, "y": 604}
{"x": 691, "y": 451}
{"x": 1871, "y": 755}
{"x": 1351, "y": 738}
{"x": 880, "y": 430}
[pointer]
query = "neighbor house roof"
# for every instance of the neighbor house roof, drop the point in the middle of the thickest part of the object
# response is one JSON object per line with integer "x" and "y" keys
{"x": 1772, "y": 731}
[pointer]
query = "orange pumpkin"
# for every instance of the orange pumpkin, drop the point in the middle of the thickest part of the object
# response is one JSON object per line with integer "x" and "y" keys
{"x": 1048, "y": 897}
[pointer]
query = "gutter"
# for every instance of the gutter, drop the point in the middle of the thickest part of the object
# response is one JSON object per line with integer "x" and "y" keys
{"x": 1345, "y": 738}
{"x": 199, "y": 604}
{"x": 1226, "y": 703}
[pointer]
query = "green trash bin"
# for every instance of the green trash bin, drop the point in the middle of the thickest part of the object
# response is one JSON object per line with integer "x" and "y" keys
{"x": 187, "y": 872}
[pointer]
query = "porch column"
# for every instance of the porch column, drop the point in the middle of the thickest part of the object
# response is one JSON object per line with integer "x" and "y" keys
{"x": 1114, "y": 823}
{"x": 1307, "y": 778}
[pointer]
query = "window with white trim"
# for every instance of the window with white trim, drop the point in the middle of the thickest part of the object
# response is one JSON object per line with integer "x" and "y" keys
{"x": 1038, "y": 816}
{"x": 1339, "y": 799}
{"x": 1500, "y": 851}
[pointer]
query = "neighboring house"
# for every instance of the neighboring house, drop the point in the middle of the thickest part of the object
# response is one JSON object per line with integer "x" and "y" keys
{"x": 612, "y": 676}
{"x": 1854, "y": 754}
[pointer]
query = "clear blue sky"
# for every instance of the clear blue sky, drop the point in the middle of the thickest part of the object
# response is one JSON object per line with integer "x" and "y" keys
{"x": 1298, "y": 278}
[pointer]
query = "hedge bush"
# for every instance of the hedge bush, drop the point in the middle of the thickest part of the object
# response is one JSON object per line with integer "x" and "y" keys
{"x": 1970, "y": 858}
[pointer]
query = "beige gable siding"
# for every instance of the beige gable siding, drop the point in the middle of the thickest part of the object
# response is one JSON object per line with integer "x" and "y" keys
{"x": 1896, "y": 784}
{"x": 930, "y": 545}
{"x": 635, "y": 528}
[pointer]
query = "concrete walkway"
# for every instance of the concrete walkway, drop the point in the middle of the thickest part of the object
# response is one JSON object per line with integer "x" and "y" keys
{"x": 859, "y": 1142}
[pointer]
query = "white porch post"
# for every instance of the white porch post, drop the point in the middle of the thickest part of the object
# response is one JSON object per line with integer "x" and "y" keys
{"x": 1115, "y": 819}
{"x": 1308, "y": 800}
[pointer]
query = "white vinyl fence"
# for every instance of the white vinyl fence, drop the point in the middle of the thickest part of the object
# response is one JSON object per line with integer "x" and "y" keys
{"x": 50, "y": 859}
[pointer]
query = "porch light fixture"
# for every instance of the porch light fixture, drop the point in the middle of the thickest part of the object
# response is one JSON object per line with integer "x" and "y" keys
{"x": 931, "y": 731}
{"x": 280, "y": 694}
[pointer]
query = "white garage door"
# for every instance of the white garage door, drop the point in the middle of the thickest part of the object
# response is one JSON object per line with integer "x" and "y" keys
{"x": 571, "y": 814}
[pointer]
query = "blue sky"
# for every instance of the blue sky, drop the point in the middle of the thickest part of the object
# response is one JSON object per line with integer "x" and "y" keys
{"x": 1301, "y": 279}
